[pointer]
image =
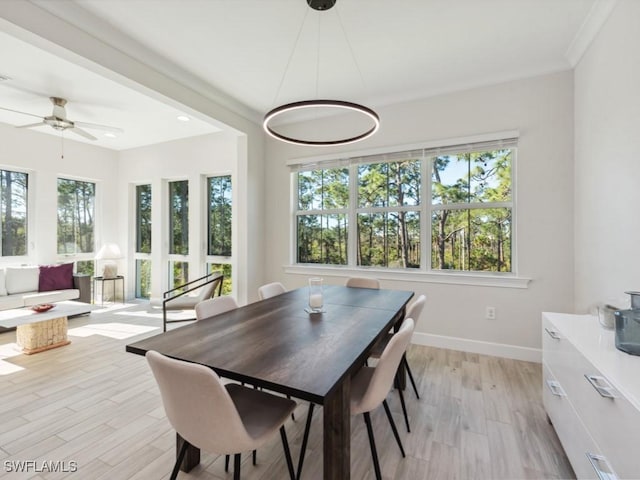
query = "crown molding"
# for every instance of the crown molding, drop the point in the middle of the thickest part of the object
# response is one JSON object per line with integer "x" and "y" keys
{"x": 589, "y": 29}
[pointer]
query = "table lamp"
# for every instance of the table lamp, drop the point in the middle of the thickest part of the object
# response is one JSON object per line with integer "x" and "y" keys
{"x": 109, "y": 253}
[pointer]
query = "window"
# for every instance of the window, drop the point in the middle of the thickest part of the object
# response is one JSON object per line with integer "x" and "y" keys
{"x": 219, "y": 217}
{"x": 225, "y": 269}
{"x": 321, "y": 223}
{"x": 179, "y": 217}
{"x": 143, "y": 278}
{"x": 472, "y": 211}
{"x": 13, "y": 210}
{"x": 142, "y": 252}
{"x": 219, "y": 220}
{"x": 178, "y": 273}
{"x": 143, "y": 218}
{"x": 431, "y": 209}
{"x": 76, "y": 205}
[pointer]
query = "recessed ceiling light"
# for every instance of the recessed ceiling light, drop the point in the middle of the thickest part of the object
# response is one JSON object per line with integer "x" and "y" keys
{"x": 183, "y": 118}
{"x": 110, "y": 135}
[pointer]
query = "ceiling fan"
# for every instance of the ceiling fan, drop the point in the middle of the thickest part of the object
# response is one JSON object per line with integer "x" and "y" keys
{"x": 58, "y": 120}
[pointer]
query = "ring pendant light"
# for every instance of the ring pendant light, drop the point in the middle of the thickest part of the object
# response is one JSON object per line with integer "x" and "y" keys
{"x": 366, "y": 112}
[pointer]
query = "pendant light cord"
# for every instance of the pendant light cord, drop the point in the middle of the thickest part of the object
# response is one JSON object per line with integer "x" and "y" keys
{"x": 353, "y": 56}
{"x": 295, "y": 46}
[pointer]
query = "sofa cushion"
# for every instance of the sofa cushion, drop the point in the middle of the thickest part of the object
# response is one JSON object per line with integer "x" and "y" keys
{"x": 55, "y": 277}
{"x": 3, "y": 286}
{"x": 22, "y": 279}
{"x": 31, "y": 299}
{"x": 11, "y": 301}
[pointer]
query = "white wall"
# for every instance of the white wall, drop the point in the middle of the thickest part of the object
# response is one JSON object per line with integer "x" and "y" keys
{"x": 607, "y": 177}
{"x": 40, "y": 154}
{"x": 541, "y": 109}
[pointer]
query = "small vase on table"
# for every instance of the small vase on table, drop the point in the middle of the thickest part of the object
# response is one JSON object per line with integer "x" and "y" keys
{"x": 316, "y": 301}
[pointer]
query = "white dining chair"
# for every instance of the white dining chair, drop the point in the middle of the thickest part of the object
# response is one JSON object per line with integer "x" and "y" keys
{"x": 413, "y": 311}
{"x": 271, "y": 290}
{"x": 215, "y": 306}
{"x": 362, "y": 282}
{"x": 369, "y": 388}
{"x": 222, "y": 419}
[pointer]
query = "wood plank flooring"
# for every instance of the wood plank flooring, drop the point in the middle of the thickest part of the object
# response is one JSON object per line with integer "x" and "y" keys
{"x": 479, "y": 417}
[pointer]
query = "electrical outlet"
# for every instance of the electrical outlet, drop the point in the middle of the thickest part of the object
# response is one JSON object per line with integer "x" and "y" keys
{"x": 490, "y": 313}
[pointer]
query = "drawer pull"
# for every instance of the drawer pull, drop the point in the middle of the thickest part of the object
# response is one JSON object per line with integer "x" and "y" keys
{"x": 552, "y": 333}
{"x": 596, "y": 461}
{"x": 555, "y": 388}
{"x": 602, "y": 386}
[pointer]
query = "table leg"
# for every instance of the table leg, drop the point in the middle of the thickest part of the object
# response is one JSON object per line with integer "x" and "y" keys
{"x": 191, "y": 458}
{"x": 337, "y": 434}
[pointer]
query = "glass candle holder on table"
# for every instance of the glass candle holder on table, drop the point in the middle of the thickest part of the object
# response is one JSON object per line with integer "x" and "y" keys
{"x": 316, "y": 300}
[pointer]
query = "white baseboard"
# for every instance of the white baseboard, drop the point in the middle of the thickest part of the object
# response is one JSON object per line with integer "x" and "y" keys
{"x": 475, "y": 346}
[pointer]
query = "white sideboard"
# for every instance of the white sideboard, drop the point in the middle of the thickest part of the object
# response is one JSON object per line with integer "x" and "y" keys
{"x": 591, "y": 393}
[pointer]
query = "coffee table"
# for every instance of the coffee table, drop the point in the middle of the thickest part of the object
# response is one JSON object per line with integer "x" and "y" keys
{"x": 37, "y": 332}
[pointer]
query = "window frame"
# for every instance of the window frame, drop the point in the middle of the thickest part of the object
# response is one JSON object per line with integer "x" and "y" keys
{"x": 80, "y": 256}
{"x": 425, "y": 209}
{"x": 139, "y": 257}
{"x": 29, "y": 218}
{"x": 210, "y": 260}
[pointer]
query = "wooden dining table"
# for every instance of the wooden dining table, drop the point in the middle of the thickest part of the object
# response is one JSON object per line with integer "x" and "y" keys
{"x": 277, "y": 345}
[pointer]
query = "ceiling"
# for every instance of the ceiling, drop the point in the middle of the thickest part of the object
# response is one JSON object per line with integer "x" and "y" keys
{"x": 260, "y": 54}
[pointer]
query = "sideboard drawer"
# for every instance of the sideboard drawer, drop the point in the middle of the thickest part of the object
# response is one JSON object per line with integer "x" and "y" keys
{"x": 613, "y": 422}
{"x": 573, "y": 348}
{"x": 572, "y": 433}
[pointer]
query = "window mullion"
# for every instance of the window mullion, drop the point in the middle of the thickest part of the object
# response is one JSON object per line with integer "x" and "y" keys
{"x": 352, "y": 216}
{"x": 425, "y": 219}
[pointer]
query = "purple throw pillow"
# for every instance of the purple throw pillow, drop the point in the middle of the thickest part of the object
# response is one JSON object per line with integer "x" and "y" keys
{"x": 55, "y": 277}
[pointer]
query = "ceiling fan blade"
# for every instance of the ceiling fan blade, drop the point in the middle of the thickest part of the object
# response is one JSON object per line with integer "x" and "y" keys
{"x": 82, "y": 133}
{"x": 97, "y": 126}
{"x": 31, "y": 125}
{"x": 23, "y": 113}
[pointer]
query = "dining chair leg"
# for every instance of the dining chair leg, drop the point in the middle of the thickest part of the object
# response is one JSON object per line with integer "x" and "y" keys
{"x": 413, "y": 382}
{"x": 236, "y": 466}
{"x": 287, "y": 452}
{"x": 372, "y": 444}
{"x": 305, "y": 438}
{"x": 404, "y": 408}
{"x": 176, "y": 467}
{"x": 226, "y": 463}
{"x": 255, "y": 457}
{"x": 164, "y": 319}
{"x": 393, "y": 427}
{"x": 293, "y": 417}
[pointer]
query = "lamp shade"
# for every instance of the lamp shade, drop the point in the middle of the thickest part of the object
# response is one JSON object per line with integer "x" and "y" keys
{"x": 109, "y": 251}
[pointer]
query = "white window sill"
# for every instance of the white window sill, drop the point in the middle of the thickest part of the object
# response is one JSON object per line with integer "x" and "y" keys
{"x": 504, "y": 280}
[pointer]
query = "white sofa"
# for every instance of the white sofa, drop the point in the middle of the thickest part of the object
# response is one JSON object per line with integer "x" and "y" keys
{"x": 23, "y": 287}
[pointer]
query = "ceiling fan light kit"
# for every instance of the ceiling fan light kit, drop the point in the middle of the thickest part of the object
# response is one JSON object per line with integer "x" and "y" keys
{"x": 368, "y": 113}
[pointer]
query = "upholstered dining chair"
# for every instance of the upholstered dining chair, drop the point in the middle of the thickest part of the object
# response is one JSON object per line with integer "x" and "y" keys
{"x": 362, "y": 282}
{"x": 218, "y": 418}
{"x": 413, "y": 311}
{"x": 215, "y": 306}
{"x": 369, "y": 389}
{"x": 271, "y": 290}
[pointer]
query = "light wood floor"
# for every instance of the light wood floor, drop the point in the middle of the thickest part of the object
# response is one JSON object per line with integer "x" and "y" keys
{"x": 478, "y": 417}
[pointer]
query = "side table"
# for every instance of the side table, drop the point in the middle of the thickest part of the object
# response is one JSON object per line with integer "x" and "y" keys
{"x": 102, "y": 280}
